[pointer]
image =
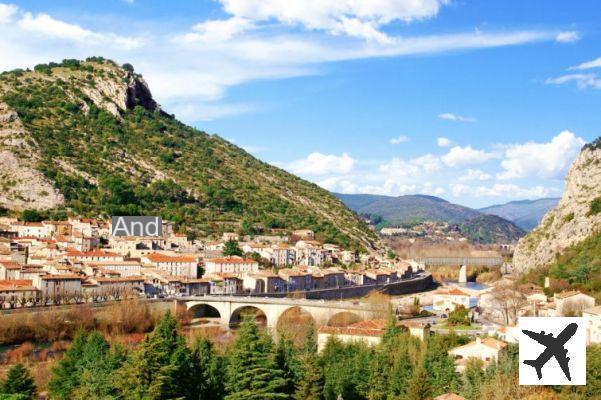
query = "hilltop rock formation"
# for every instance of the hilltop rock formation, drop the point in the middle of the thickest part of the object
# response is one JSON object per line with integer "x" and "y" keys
{"x": 576, "y": 217}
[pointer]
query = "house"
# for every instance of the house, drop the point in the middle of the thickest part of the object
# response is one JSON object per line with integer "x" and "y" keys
{"x": 9, "y": 270}
{"x": 448, "y": 299}
{"x": 509, "y": 334}
{"x": 33, "y": 229}
{"x": 224, "y": 284}
{"x": 592, "y": 317}
{"x": 296, "y": 279}
{"x": 227, "y": 236}
{"x": 283, "y": 255}
{"x": 174, "y": 265}
{"x": 230, "y": 265}
{"x": 124, "y": 268}
{"x": 129, "y": 284}
{"x": 263, "y": 250}
{"x": 16, "y": 289}
{"x": 571, "y": 303}
{"x": 369, "y": 332}
{"x": 62, "y": 285}
{"x": 263, "y": 282}
{"x": 487, "y": 350}
{"x": 420, "y": 330}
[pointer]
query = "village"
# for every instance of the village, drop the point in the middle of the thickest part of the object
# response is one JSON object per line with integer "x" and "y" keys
{"x": 79, "y": 261}
{"x": 59, "y": 262}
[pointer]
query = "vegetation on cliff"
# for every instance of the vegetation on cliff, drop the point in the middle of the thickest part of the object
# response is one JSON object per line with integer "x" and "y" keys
{"x": 100, "y": 138}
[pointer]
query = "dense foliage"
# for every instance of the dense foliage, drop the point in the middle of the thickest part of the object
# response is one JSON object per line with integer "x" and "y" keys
{"x": 488, "y": 229}
{"x": 164, "y": 366}
{"x": 144, "y": 161}
{"x": 577, "y": 267}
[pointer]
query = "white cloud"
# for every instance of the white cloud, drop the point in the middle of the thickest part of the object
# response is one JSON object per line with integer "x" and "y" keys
{"x": 427, "y": 162}
{"x": 583, "y": 81}
{"x": 44, "y": 24}
{"x": 475, "y": 175}
{"x": 459, "y": 156}
{"x": 320, "y": 164}
{"x": 354, "y": 18}
{"x": 444, "y": 142}
{"x": 455, "y": 117}
{"x": 596, "y": 63}
{"x": 567, "y": 37}
{"x": 549, "y": 160}
{"x": 198, "y": 64}
{"x": 217, "y": 30}
{"x": 7, "y": 12}
{"x": 507, "y": 190}
{"x": 399, "y": 139}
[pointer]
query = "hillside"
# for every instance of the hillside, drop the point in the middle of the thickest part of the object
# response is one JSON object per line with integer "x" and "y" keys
{"x": 486, "y": 229}
{"x": 576, "y": 218}
{"x": 524, "y": 213}
{"x": 412, "y": 209}
{"x": 408, "y": 208}
{"x": 88, "y": 138}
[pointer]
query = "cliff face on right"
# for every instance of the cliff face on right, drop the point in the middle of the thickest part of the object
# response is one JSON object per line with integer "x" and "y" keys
{"x": 576, "y": 219}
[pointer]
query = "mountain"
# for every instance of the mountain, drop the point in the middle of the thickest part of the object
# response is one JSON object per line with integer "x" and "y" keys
{"x": 524, "y": 213}
{"x": 410, "y": 209}
{"x": 88, "y": 138}
{"x": 488, "y": 229}
{"x": 573, "y": 226}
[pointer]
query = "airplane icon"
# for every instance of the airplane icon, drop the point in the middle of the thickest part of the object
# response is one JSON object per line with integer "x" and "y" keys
{"x": 554, "y": 348}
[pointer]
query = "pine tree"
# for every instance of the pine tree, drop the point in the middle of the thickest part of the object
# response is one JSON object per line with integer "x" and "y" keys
{"x": 473, "y": 378}
{"x": 287, "y": 360}
{"x": 402, "y": 366}
{"x": 441, "y": 368}
{"x": 66, "y": 375}
{"x": 252, "y": 373}
{"x": 309, "y": 385}
{"x": 18, "y": 382}
{"x": 419, "y": 388}
{"x": 160, "y": 367}
{"x": 392, "y": 330}
{"x": 208, "y": 374}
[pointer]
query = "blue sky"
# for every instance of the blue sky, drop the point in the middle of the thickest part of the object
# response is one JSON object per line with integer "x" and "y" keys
{"x": 479, "y": 102}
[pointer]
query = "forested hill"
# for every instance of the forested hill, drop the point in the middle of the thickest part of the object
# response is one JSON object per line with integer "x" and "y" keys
{"x": 88, "y": 138}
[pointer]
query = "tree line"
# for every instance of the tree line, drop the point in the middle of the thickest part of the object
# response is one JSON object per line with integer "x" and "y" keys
{"x": 255, "y": 367}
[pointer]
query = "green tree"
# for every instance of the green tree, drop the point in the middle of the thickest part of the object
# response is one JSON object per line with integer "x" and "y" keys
{"x": 252, "y": 372}
{"x": 440, "y": 367}
{"x": 286, "y": 357}
{"x": 309, "y": 385}
{"x": 160, "y": 366}
{"x": 419, "y": 387}
{"x": 18, "y": 381}
{"x": 459, "y": 317}
{"x": 473, "y": 379}
{"x": 66, "y": 374}
{"x": 231, "y": 248}
{"x": 208, "y": 371}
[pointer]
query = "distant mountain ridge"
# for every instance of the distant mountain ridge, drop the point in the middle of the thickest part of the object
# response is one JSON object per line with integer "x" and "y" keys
{"x": 477, "y": 226}
{"x": 408, "y": 208}
{"x": 526, "y": 214}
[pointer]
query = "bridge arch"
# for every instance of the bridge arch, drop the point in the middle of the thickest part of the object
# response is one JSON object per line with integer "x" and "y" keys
{"x": 202, "y": 310}
{"x": 239, "y": 313}
{"x": 344, "y": 318}
{"x": 295, "y": 321}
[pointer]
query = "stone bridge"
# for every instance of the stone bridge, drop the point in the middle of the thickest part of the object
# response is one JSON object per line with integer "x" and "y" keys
{"x": 229, "y": 309}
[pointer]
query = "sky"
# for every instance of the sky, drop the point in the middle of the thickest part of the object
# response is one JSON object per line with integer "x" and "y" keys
{"x": 478, "y": 102}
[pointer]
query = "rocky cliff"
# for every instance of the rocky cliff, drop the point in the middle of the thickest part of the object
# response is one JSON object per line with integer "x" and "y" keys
{"x": 576, "y": 218}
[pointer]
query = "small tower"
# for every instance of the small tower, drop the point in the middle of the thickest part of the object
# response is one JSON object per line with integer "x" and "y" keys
{"x": 463, "y": 274}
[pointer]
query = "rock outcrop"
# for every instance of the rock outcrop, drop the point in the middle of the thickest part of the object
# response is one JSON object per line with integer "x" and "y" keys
{"x": 22, "y": 186}
{"x": 575, "y": 218}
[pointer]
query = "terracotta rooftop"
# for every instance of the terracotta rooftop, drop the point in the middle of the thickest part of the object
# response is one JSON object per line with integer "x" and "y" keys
{"x": 452, "y": 292}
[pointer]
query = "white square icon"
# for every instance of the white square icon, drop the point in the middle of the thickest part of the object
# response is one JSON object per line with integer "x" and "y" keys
{"x": 552, "y": 351}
